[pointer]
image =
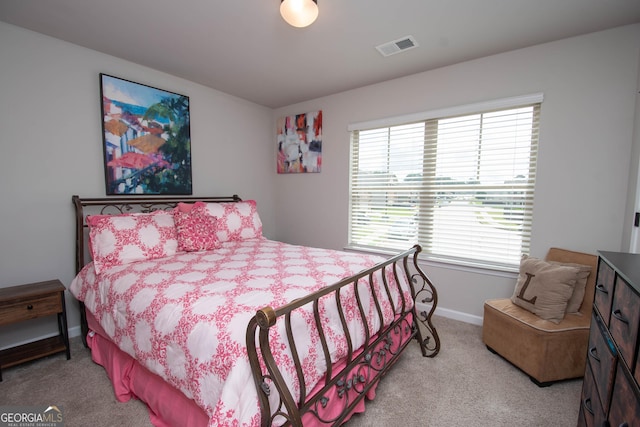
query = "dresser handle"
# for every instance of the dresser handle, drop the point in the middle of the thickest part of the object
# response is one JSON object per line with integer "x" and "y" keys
{"x": 30, "y": 307}
{"x": 593, "y": 353}
{"x": 601, "y": 288}
{"x": 587, "y": 405}
{"x": 618, "y": 315}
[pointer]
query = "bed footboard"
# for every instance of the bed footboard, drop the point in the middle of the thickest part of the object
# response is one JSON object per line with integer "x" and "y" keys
{"x": 354, "y": 378}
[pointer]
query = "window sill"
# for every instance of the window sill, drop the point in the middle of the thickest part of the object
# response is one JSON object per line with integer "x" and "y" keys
{"x": 466, "y": 266}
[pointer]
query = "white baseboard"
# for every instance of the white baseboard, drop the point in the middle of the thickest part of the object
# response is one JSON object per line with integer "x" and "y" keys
{"x": 452, "y": 314}
{"x": 74, "y": 332}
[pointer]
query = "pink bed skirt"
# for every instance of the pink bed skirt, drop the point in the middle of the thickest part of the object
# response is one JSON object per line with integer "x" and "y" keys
{"x": 168, "y": 407}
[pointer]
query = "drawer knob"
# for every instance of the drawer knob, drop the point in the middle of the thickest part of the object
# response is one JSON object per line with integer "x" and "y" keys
{"x": 30, "y": 307}
{"x": 601, "y": 288}
{"x": 594, "y": 354}
{"x": 618, "y": 315}
{"x": 586, "y": 403}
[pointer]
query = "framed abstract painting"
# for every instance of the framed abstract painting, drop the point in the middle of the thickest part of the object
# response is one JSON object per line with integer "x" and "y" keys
{"x": 299, "y": 139}
{"x": 146, "y": 139}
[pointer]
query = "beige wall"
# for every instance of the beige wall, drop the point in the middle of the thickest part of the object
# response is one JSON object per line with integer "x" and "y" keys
{"x": 631, "y": 234}
{"x": 50, "y": 135}
{"x": 51, "y": 149}
{"x": 587, "y": 120}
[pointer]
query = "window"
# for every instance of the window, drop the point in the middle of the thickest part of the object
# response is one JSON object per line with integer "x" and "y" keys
{"x": 461, "y": 185}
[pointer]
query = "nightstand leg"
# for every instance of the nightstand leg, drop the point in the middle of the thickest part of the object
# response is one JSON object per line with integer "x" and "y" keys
{"x": 62, "y": 326}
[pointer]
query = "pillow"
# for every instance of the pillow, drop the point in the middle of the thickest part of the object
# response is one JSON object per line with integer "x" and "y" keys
{"x": 236, "y": 220}
{"x": 544, "y": 288}
{"x": 196, "y": 230}
{"x": 573, "y": 306}
{"x": 123, "y": 239}
{"x": 186, "y": 207}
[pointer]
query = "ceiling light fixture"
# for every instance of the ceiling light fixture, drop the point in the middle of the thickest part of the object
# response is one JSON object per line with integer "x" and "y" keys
{"x": 299, "y": 13}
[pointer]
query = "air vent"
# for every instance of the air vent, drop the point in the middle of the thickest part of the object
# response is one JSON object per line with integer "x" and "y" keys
{"x": 397, "y": 46}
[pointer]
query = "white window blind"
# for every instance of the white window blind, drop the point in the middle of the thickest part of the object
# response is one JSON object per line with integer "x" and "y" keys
{"x": 462, "y": 186}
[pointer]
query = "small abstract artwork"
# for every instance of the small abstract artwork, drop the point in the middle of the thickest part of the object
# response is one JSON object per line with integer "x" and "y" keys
{"x": 300, "y": 143}
{"x": 147, "y": 139}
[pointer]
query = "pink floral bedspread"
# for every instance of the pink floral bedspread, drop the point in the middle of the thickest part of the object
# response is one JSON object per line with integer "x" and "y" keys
{"x": 184, "y": 317}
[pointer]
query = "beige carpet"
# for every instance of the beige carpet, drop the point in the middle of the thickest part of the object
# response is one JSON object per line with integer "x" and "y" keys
{"x": 465, "y": 385}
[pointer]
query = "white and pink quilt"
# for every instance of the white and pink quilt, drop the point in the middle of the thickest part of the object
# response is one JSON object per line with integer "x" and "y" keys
{"x": 184, "y": 317}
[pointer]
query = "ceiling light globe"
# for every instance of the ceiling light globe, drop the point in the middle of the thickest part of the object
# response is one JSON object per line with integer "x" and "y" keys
{"x": 299, "y": 13}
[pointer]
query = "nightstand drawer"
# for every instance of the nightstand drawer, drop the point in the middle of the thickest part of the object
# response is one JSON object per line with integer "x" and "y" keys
{"x": 30, "y": 308}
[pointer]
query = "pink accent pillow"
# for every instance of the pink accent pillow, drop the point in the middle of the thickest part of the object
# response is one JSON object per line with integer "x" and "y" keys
{"x": 123, "y": 239}
{"x": 196, "y": 229}
{"x": 236, "y": 220}
{"x": 186, "y": 207}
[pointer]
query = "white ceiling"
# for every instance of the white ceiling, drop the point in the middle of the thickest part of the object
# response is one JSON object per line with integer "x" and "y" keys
{"x": 244, "y": 48}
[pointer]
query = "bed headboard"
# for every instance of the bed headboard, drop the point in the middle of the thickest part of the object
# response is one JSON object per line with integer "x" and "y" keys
{"x": 117, "y": 205}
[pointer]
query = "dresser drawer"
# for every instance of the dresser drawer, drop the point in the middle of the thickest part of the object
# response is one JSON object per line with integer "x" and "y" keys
{"x": 624, "y": 320}
{"x": 636, "y": 371}
{"x": 625, "y": 406}
{"x": 591, "y": 412}
{"x": 30, "y": 308}
{"x": 602, "y": 360}
{"x": 613, "y": 358}
{"x": 604, "y": 289}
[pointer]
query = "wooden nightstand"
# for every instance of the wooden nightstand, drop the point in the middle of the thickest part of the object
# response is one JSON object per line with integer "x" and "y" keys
{"x": 31, "y": 301}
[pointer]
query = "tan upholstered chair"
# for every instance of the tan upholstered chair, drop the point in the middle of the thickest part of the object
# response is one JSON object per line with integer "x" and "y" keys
{"x": 543, "y": 350}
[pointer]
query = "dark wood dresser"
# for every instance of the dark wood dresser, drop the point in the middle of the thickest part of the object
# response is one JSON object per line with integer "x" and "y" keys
{"x": 610, "y": 393}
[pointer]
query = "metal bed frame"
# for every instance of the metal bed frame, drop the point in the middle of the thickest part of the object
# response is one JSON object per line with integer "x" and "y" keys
{"x": 363, "y": 367}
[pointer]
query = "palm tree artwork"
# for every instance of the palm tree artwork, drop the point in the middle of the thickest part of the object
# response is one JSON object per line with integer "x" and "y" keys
{"x": 147, "y": 139}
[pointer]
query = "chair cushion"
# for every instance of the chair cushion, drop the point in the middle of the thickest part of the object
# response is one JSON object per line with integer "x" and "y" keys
{"x": 575, "y": 321}
{"x": 542, "y": 349}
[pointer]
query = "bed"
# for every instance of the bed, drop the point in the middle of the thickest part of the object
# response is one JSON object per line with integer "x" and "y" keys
{"x": 190, "y": 309}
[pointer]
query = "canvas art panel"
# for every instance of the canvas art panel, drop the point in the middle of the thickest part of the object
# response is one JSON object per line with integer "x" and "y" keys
{"x": 147, "y": 139}
{"x": 300, "y": 143}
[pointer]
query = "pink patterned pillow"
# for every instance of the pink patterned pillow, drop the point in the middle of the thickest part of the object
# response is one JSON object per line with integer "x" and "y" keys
{"x": 196, "y": 229}
{"x": 186, "y": 207}
{"x": 123, "y": 239}
{"x": 236, "y": 220}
